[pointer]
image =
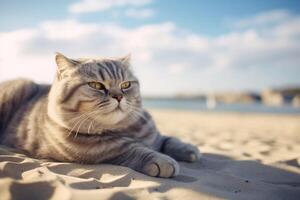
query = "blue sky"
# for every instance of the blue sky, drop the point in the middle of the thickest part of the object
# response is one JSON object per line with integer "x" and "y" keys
{"x": 176, "y": 46}
{"x": 205, "y": 17}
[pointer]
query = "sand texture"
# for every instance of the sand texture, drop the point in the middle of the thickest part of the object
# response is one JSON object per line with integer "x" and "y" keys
{"x": 244, "y": 157}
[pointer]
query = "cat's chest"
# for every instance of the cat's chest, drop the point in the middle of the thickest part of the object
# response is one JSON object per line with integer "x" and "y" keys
{"x": 143, "y": 131}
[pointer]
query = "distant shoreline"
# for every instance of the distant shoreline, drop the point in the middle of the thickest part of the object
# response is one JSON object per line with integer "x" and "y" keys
{"x": 269, "y": 97}
{"x": 200, "y": 105}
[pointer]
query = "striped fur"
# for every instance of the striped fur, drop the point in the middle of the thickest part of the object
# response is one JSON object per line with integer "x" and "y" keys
{"x": 70, "y": 121}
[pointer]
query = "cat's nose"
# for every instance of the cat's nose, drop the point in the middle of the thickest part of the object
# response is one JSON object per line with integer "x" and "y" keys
{"x": 117, "y": 96}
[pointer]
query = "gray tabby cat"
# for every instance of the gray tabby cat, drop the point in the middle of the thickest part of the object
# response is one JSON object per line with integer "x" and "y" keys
{"x": 92, "y": 113}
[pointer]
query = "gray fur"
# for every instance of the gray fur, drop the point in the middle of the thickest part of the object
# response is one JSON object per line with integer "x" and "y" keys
{"x": 70, "y": 121}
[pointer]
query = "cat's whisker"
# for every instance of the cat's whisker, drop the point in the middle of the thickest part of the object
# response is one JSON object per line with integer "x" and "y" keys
{"x": 136, "y": 111}
{"x": 90, "y": 126}
{"x": 70, "y": 132}
{"x": 88, "y": 117}
{"x": 82, "y": 115}
{"x": 82, "y": 121}
{"x": 133, "y": 116}
{"x": 79, "y": 117}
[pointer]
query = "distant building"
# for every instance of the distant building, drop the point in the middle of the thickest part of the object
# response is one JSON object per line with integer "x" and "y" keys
{"x": 296, "y": 101}
{"x": 272, "y": 98}
{"x": 277, "y": 97}
{"x": 237, "y": 97}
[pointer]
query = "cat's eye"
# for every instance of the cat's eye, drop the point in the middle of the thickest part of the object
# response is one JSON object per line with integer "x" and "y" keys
{"x": 125, "y": 85}
{"x": 96, "y": 85}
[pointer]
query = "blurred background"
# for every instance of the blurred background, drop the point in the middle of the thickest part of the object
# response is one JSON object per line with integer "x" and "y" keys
{"x": 240, "y": 56}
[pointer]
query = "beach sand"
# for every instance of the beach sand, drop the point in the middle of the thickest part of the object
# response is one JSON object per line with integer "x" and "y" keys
{"x": 244, "y": 156}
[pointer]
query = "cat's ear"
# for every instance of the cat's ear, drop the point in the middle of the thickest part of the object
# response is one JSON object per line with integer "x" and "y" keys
{"x": 63, "y": 63}
{"x": 126, "y": 60}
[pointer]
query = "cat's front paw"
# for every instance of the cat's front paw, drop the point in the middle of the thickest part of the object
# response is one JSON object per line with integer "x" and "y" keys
{"x": 189, "y": 153}
{"x": 181, "y": 151}
{"x": 161, "y": 166}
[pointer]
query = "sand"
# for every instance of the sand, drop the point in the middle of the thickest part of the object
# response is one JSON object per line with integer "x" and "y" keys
{"x": 245, "y": 156}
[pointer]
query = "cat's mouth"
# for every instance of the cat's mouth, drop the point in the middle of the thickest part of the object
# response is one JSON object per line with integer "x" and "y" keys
{"x": 118, "y": 108}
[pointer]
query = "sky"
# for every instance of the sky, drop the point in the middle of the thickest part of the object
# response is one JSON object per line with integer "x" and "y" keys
{"x": 176, "y": 47}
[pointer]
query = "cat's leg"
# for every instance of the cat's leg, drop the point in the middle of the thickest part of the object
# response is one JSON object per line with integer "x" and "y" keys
{"x": 179, "y": 150}
{"x": 147, "y": 161}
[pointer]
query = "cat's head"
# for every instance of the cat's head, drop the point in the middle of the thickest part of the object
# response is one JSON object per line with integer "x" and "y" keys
{"x": 93, "y": 92}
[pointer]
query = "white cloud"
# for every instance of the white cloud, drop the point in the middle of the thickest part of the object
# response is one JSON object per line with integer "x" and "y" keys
{"x": 67, "y": 30}
{"x": 85, "y": 6}
{"x": 265, "y": 18}
{"x": 14, "y": 62}
{"x": 159, "y": 52}
{"x": 289, "y": 28}
{"x": 139, "y": 13}
{"x": 177, "y": 68}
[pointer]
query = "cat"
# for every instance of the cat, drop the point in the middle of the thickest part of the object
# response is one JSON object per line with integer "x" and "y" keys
{"x": 92, "y": 113}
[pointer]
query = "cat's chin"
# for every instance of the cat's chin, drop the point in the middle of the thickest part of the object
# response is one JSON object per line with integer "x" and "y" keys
{"x": 114, "y": 117}
{"x": 118, "y": 109}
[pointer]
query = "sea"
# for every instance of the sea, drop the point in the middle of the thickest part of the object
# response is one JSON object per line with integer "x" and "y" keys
{"x": 203, "y": 106}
